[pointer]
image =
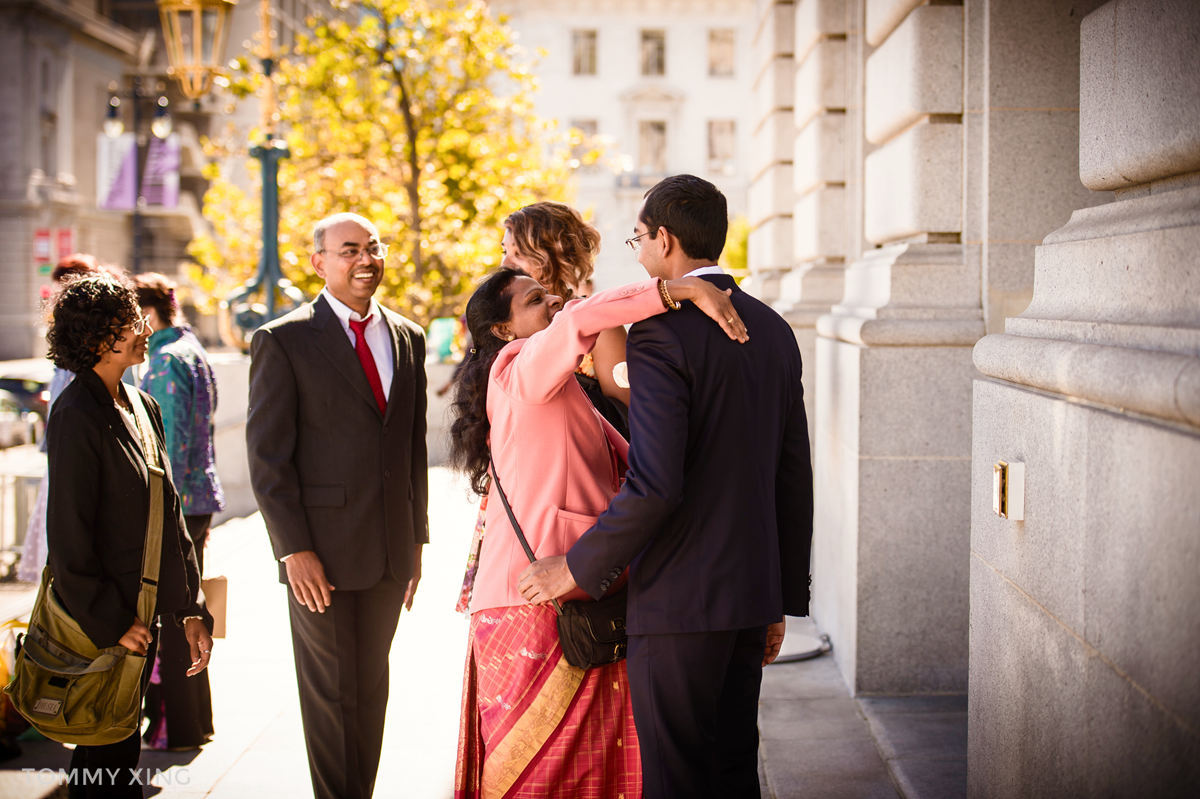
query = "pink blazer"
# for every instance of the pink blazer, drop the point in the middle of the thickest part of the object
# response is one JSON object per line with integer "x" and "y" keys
{"x": 557, "y": 458}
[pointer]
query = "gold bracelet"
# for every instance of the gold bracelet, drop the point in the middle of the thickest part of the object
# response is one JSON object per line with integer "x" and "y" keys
{"x": 667, "y": 301}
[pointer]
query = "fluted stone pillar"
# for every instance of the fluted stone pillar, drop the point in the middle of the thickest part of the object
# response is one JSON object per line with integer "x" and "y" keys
{"x": 1084, "y": 623}
{"x": 894, "y": 372}
{"x": 821, "y": 164}
{"x": 770, "y": 196}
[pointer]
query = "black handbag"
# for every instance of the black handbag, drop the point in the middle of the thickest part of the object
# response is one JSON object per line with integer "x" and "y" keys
{"x": 590, "y": 633}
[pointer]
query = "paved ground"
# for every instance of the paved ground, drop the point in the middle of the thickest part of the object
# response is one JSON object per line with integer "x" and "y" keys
{"x": 817, "y": 741}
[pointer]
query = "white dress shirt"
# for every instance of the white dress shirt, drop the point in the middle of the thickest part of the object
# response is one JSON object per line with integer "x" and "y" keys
{"x": 706, "y": 270}
{"x": 378, "y": 337}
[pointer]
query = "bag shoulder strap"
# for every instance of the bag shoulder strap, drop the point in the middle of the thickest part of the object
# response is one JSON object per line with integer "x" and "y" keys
{"x": 515, "y": 524}
{"x": 152, "y": 550}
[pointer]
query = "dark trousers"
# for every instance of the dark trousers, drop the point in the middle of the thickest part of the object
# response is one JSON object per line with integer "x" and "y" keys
{"x": 184, "y": 703}
{"x": 342, "y": 672}
{"x": 695, "y": 705}
{"x": 111, "y": 771}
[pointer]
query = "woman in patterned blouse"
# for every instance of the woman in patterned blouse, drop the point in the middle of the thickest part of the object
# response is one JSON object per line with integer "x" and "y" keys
{"x": 179, "y": 377}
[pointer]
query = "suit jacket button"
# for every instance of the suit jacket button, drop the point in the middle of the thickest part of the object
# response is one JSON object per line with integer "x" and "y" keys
{"x": 604, "y": 585}
{"x": 387, "y": 473}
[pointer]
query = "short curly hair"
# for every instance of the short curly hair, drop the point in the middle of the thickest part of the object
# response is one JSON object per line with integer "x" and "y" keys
{"x": 557, "y": 239}
{"x": 89, "y": 314}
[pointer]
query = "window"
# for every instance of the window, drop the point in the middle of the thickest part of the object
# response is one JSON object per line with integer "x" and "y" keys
{"x": 720, "y": 52}
{"x": 583, "y": 52}
{"x": 654, "y": 52}
{"x": 722, "y": 146}
{"x": 652, "y": 146}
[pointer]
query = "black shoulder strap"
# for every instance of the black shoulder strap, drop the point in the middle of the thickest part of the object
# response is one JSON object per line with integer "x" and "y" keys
{"x": 511, "y": 516}
{"x": 515, "y": 524}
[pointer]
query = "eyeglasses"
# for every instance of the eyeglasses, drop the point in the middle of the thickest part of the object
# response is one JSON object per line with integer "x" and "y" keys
{"x": 636, "y": 245}
{"x": 140, "y": 326}
{"x": 376, "y": 249}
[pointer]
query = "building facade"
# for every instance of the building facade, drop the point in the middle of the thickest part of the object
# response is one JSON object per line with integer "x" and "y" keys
{"x": 661, "y": 84}
{"x": 67, "y": 60}
{"x": 980, "y": 218}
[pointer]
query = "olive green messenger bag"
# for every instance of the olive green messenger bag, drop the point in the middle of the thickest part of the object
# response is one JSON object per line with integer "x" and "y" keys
{"x": 69, "y": 689}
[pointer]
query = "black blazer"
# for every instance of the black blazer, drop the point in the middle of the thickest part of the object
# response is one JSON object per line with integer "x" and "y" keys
{"x": 332, "y": 474}
{"x": 715, "y": 517}
{"x": 98, "y": 502}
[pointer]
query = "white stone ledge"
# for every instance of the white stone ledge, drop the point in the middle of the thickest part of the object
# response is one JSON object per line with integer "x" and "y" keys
{"x": 1179, "y": 340}
{"x": 816, "y": 20}
{"x": 820, "y": 223}
{"x": 771, "y": 192}
{"x": 776, "y": 32}
{"x": 1159, "y": 384}
{"x": 818, "y": 152}
{"x": 820, "y": 82}
{"x": 812, "y": 289}
{"x": 774, "y": 89}
{"x": 914, "y": 184}
{"x": 1129, "y": 262}
{"x": 916, "y": 72}
{"x": 911, "y": 276}
{"x": 771, "y": 243}
{"x": 868, "y": 332}
{"x": 772, "y": 141}
{"x": 883, "y": 16}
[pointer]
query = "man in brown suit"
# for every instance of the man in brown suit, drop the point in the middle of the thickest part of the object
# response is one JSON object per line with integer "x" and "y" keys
{"x": 336, "y": 440}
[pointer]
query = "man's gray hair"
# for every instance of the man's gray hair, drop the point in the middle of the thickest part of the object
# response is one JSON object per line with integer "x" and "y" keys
{"x": 337, "y": 219}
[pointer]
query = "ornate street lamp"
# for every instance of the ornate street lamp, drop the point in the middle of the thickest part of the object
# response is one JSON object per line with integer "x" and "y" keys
{"x": 194, "y": 32}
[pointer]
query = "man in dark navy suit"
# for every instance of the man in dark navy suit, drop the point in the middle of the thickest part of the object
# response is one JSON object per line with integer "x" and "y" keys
{"x": 714, "y": 520}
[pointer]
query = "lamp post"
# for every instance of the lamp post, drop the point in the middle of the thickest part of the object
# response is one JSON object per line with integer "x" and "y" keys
{"x": 195, "y": 34}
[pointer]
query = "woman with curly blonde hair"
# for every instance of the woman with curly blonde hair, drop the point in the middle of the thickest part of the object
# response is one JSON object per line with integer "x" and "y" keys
{"x": 553, "y": 243}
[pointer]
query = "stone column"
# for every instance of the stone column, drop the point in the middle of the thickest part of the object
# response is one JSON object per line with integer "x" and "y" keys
{"x": 770, "y": 195}
{"x": 820, "y": 165}
{"x": 1084, "y": 623}
{"x": 894, "y": 374}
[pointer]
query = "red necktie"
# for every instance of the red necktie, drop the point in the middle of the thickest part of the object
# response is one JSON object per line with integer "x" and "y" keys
{"x": 368, "y": 361}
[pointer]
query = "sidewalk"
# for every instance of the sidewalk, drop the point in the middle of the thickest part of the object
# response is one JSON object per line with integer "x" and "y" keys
{"x": 817, "y": 741}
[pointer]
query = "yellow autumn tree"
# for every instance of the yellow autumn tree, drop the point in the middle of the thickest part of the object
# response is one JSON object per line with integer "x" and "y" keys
{"x": 417, "y": 114}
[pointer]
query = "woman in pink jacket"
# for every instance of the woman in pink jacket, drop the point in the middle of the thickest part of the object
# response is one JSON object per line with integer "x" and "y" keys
{"x": 532, "y": 724}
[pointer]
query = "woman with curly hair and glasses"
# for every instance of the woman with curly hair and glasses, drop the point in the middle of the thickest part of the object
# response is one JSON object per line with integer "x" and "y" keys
{"x": 99, "y": 502}
{"x": 532, "y": 724}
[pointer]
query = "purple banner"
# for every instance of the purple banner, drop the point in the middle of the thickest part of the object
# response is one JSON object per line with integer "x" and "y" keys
{"x": 116, "y": 169}
{"x": 160, "y": 183}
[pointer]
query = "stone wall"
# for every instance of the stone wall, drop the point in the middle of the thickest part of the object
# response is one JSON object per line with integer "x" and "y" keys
{"x": 1084, "y": 628}
{"x": 932, "y": 146}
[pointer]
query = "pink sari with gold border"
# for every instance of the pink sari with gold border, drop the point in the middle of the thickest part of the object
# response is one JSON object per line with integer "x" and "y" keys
{"x": 533, "y": 725}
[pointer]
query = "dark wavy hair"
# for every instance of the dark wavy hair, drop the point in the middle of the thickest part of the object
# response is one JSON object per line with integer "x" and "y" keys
{"x": 158, "y": 292}
{"x": 490, "y": 305}
{"x": 695, "y": 212}
{"x": 89, "y": 314}
{"x": 559, "y": 241}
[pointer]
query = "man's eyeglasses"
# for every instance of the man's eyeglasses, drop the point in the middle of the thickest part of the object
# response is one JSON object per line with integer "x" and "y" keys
{"x": 376, "y": 249}
{"x": 140, "y": 325}
{"x": 636, "y": 245}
